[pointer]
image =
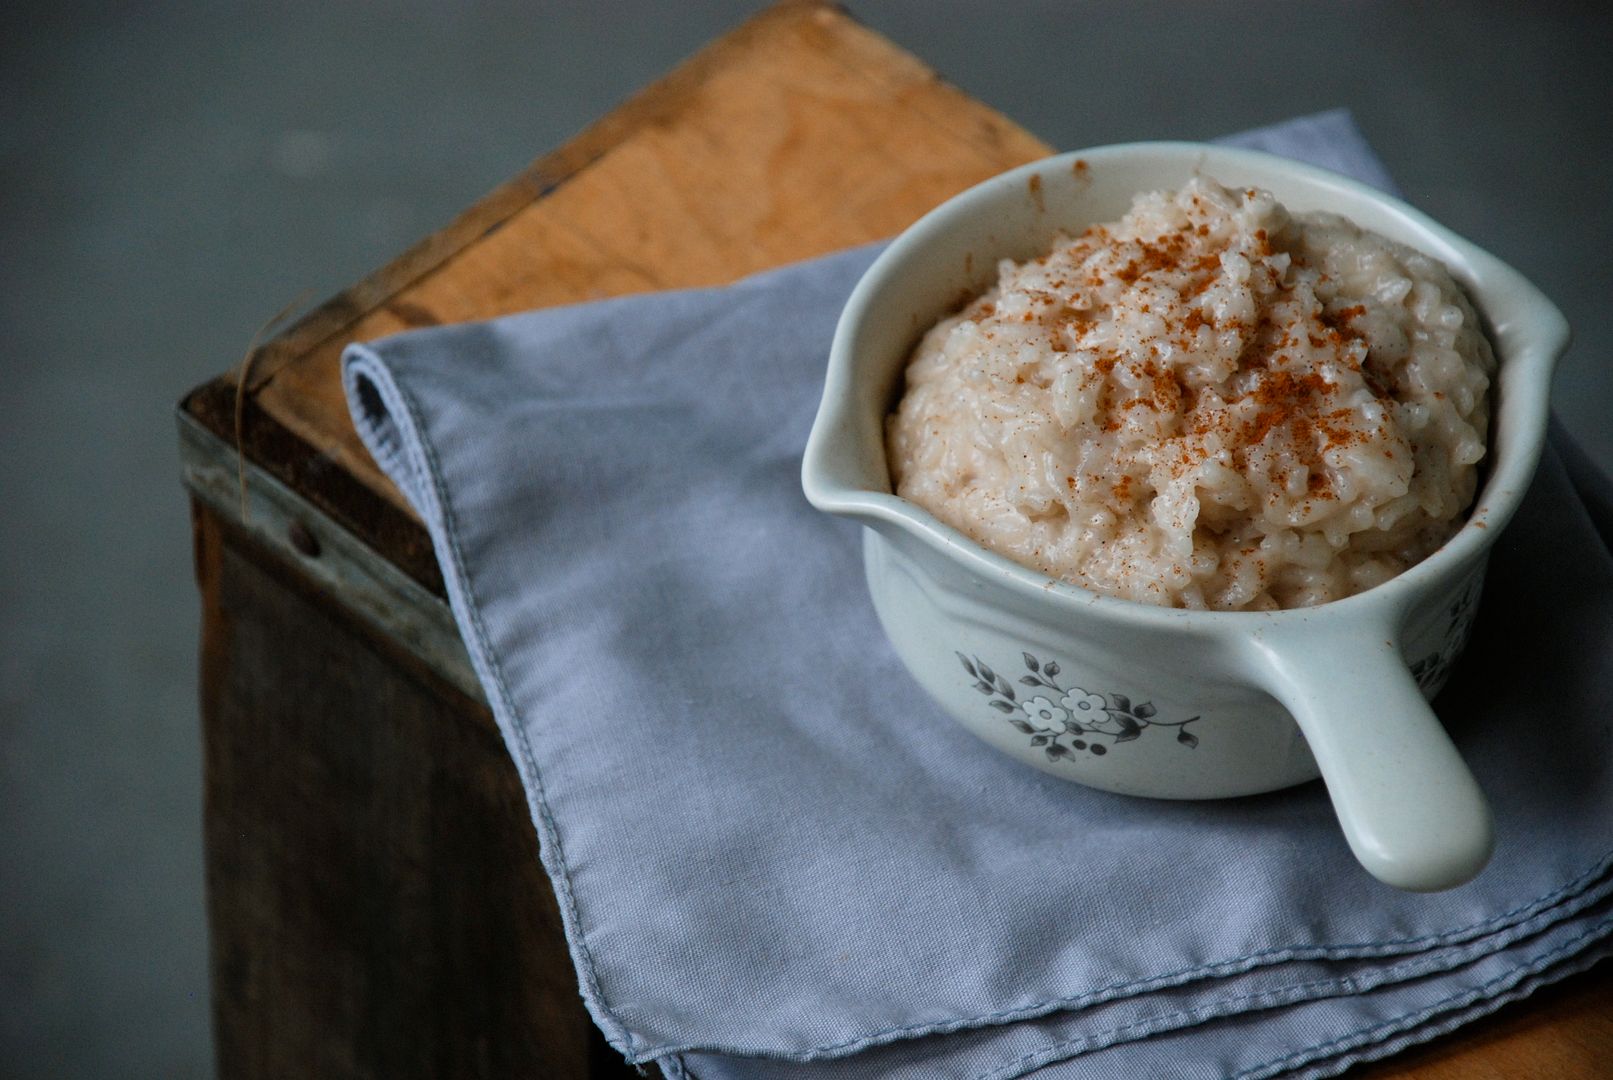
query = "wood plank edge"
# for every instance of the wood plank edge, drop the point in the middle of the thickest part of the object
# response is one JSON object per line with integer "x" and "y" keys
{"x": 338, "y": 494}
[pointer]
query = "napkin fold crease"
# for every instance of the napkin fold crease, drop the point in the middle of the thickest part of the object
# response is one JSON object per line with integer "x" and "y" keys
{"x": 775, "y": 858}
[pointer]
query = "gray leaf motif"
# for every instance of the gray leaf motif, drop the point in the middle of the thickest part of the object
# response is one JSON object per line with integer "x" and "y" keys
{"x": 1118, "y": 722}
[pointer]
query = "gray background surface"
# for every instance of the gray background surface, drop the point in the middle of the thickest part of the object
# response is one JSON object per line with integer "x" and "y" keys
{"x": 171, "y": 176}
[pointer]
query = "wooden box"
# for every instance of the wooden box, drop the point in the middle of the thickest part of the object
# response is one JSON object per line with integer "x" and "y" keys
{"x": 376, "y": 902}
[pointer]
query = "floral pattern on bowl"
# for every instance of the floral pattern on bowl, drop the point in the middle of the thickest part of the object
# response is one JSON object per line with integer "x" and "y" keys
{"x": 1066, "y": 721}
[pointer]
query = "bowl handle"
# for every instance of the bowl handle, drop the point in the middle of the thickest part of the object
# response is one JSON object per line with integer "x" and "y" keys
{"x": 1410, "y": 808}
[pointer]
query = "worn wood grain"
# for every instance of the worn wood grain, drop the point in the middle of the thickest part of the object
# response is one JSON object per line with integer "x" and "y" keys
{"x": 376, "y": 904}
{"x": 372, "y": 869}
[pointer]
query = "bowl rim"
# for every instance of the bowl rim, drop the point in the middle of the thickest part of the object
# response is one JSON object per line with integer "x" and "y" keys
{"x": 1522, "y": 383}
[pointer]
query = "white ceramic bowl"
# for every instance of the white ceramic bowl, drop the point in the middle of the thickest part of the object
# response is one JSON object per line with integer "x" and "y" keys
{"x": 1155, "y": 701}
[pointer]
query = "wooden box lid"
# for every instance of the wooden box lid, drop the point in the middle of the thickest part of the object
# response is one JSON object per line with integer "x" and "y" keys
{"x": 797, "y": 134}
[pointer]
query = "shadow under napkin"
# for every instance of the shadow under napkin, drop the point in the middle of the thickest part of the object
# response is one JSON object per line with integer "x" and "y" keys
{"x": 767, "y": 843}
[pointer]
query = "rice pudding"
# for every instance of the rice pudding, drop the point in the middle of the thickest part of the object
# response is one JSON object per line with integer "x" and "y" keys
{"x": 1211, "y": 403}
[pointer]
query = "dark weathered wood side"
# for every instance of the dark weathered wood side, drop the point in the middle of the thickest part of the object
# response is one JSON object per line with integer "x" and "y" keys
{"x": 376, "y": 902}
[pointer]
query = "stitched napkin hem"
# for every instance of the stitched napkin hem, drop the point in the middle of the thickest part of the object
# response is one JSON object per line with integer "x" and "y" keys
{"x": 1380, "y": 1040}
{"x": 1099, "y": 1029}
{"x": 389, "y": 421}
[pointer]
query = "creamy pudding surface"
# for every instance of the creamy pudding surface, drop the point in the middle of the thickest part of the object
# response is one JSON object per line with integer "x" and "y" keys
{"x": 1210, "y": 403}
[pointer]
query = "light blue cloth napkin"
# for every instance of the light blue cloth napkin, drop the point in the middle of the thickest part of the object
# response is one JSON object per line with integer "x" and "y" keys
{"x": 773, "y": 854}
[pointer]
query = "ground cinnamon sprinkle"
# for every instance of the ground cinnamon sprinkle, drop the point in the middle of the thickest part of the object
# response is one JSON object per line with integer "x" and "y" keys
{"x": 1194, "y": 381}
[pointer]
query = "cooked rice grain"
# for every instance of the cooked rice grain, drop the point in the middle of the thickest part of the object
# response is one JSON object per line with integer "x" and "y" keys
{"x": 1208, "y": 404}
